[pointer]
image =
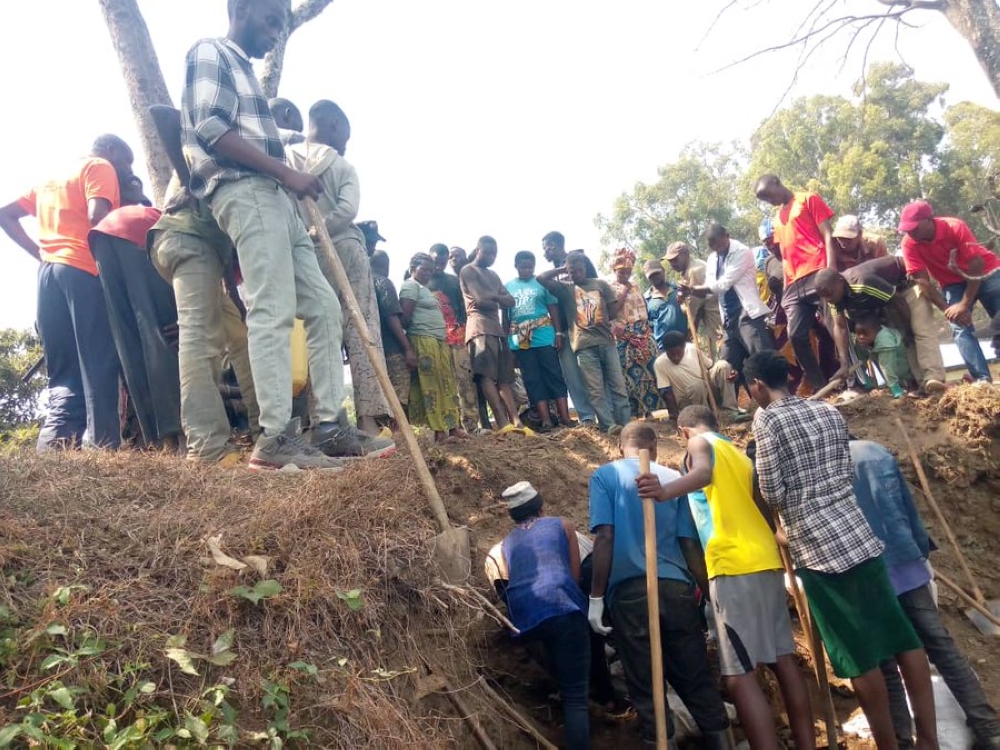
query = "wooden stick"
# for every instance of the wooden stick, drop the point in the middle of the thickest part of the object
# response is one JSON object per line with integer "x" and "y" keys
{"x": 329, "y": 258}
{"x": 834, "y": 384}
{"x": 815, "y": 648}
{"x": 701, "y": 365}
{"x": 520, "y": 719}
{"x": 653, "y": 607}
{"x": 470, "y": 718}
{"x": 925, "y": 485}
{"x": 484, "y": 601}
{"x": 978, "y": 606}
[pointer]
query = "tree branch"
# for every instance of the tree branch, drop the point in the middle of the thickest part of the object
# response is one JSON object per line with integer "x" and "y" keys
{"x": 274, "y": 63}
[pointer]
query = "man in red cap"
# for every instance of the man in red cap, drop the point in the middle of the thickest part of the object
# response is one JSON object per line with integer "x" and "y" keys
{"x": 944, "y": 249}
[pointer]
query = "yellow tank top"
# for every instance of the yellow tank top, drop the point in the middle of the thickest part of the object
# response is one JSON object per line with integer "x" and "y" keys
{"x": 736, "y": 538}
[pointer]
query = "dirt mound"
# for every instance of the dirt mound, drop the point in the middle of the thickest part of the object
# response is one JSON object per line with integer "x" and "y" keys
{"x": 110, "y": 590}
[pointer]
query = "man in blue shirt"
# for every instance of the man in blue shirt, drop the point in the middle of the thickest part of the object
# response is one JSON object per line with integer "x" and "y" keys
{"x": 620, "y": 577}
{"x": 885, "y": 500}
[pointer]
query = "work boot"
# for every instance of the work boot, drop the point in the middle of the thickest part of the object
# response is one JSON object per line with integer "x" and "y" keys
{"x": 341, "y": 439}
{"x": 288, "y": 451}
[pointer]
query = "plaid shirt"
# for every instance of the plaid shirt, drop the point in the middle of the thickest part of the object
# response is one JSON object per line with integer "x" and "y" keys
{"x": 805, "y": 473}
{"x": 221, "y": 93}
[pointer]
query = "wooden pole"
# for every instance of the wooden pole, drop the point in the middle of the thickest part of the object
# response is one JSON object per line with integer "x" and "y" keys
{"x": 963, "y": 564}
{"x": 701, "y": 365}
{"x": 520, "y": 719}
{"x": 978, "y": 606}
{"x": 343, "y": 286}
{"x": 653, "y": 604}
{"x": 815, "y": 649}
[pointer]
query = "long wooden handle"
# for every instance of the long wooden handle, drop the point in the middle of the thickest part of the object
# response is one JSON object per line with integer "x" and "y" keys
{"x": 918, "y": 465}
{"x": 653, "y": 605}
{"x": 815, "y": 649}
{"x": 979, "y": 607}
{"x": 701, "y": 365}
{"x": 332, "y": 261}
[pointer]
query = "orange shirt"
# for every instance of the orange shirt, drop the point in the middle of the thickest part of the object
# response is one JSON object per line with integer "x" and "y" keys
{"x": 61, "y": 208}
{"x": 796, "y": 230}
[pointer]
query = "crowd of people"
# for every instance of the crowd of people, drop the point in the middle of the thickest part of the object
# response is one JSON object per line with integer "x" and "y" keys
{"x": 839, "y": 507}
{"x": 464, "y": 349}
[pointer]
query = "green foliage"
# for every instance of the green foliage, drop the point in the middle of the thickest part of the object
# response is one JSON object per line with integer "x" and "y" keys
{"x": 19, "y": 401}
{"x": 261, "y": 590}
{"x": 354, "y": 599}
{"x": 888, "y": 144}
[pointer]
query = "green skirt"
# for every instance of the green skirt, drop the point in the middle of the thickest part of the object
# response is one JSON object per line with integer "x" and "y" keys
{"x": 433, "y": 393}
{"x": 858, "y": 616}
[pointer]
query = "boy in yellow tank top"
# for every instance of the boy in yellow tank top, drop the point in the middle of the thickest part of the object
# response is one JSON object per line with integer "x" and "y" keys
{"x": 746, "y": 586}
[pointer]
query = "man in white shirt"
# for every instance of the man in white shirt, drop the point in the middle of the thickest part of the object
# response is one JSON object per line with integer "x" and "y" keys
{"x": 679, "y": 378}
{"x": 731, "y": 274}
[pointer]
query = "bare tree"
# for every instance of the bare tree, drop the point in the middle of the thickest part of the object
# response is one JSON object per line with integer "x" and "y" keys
{"x": 144, "y": 81}
{"x": 144, "y": 77}
{"x": 306, "y": 11}
{"x": 978, "y": 21}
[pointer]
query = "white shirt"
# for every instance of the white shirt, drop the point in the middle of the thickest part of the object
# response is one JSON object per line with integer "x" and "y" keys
{"x": 739, "y": 272}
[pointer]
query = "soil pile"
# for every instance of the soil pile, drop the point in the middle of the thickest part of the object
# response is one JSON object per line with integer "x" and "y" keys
{"x": 334, "y": 624}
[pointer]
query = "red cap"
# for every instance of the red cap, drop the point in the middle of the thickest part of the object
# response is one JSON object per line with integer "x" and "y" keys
{"x": 913, "y": 214}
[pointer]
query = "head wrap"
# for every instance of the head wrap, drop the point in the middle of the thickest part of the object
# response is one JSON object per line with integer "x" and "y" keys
{"x": 623, "y": 257}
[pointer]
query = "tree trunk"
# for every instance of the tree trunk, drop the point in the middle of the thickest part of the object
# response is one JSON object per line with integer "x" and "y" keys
{"x": 144, "y": 80}
{"x": 270, "y": 78}
{"x": 979, "y": 22}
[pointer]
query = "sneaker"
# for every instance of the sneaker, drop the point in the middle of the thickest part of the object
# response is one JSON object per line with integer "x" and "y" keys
{"x": 288, "y": 451}
{"x": 933, "y": 386}
{"x": 341, "y": 439}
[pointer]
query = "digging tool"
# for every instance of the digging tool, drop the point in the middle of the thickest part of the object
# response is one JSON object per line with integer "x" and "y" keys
{"x": 815, "y": 646}
{"x": 986, "y": 625}
{"x": 701, "y": 364}
{"x": 834, "y": 384}
{"x": 451, "y": 546}
{"x": 653, "y": 604}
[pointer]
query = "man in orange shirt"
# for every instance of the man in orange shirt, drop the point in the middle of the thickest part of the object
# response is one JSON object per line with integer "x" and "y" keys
{"x": 803, "y": 230}
{"x": 80, "y": 353}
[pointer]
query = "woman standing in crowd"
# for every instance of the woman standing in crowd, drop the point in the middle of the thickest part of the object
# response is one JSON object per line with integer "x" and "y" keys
{"x": 433, "y": 399}
{"x": 634, "y": 335}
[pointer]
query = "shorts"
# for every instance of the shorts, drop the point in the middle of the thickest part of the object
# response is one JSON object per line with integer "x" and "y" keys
{"x": 751, "y": 614}
{"x": 399, "y": 375}
{"x": 542, "y": 373}
{"x": 492, "y": 359}
{"x": 858, "y": 616}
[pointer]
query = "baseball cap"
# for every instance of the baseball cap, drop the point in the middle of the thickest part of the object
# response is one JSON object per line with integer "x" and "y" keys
{"x": 519, "y": 494}
{"x": 914, "y": 213}
{"x": 848, "y": 227}
{"x": 676, "y": 249}
{"x": 652, "y": 266}
{"x": 370, "y": 230}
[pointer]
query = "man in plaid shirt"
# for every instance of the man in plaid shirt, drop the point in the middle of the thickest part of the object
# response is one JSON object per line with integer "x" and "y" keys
{"x": 805, "y": 476}
{"x": 237, "y": 165}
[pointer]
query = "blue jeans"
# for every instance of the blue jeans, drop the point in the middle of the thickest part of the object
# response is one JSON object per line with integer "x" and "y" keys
{"x": 944, "y": 654}
{"x": 965, "y": 337}
{"x": 601, "y": 369}
{"x": 574, "y": 383}
{"x": 567, "y": 644}
{"x": 81, "y": 360}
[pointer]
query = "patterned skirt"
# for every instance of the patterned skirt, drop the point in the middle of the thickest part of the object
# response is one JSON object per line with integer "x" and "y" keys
{"x": 433, "y": 393}
{"x": 637, "y": 352}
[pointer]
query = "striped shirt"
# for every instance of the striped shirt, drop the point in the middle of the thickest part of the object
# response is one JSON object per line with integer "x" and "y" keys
{"x": 871, "y": 285}
{"x": 221, "y": 93}
{"x": 805, "y": 474}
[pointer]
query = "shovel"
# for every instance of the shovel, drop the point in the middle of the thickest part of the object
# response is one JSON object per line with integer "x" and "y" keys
{"x": 451, "y": 546}
{"x": 983, "y": 613}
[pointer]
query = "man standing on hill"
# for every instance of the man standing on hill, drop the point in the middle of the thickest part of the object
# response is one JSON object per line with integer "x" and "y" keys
{"x": 80, "y": 353}
{"x": 492, "y": 361}
{"x": 620, "y": 581}
{"x": 803, "y": 230}
{"x": 232, "y": 145}
{"x": 704, "y": 307}
{"x": 943, "y": 248}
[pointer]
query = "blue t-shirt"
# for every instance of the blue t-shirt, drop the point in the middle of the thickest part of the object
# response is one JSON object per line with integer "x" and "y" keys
{"x": 614, "y": 501}
{"x": 531, "y": 301}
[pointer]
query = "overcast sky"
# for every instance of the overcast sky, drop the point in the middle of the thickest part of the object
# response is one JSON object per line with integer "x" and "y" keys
{"x": 469, "y": 117}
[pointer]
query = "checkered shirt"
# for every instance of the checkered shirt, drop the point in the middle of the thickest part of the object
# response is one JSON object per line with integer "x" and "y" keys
{"x": 221, "y": 93}
{"x": 805, "y": 472}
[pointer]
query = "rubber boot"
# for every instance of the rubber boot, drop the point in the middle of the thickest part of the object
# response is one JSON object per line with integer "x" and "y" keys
{"x": 721, "y": 740}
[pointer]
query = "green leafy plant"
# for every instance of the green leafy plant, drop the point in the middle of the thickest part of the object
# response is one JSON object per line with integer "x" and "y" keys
{"x": 221, "y": 656}
{"x": 354, "y": 599}
{"x": 261, "y": 590}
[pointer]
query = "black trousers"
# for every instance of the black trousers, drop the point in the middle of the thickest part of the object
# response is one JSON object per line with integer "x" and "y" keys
{"x": 685, "y": 659}
{"x": 801, "y": 302}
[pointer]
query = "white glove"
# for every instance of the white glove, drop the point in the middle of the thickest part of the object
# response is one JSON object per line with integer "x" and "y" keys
{"x": 595, "y": 615}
